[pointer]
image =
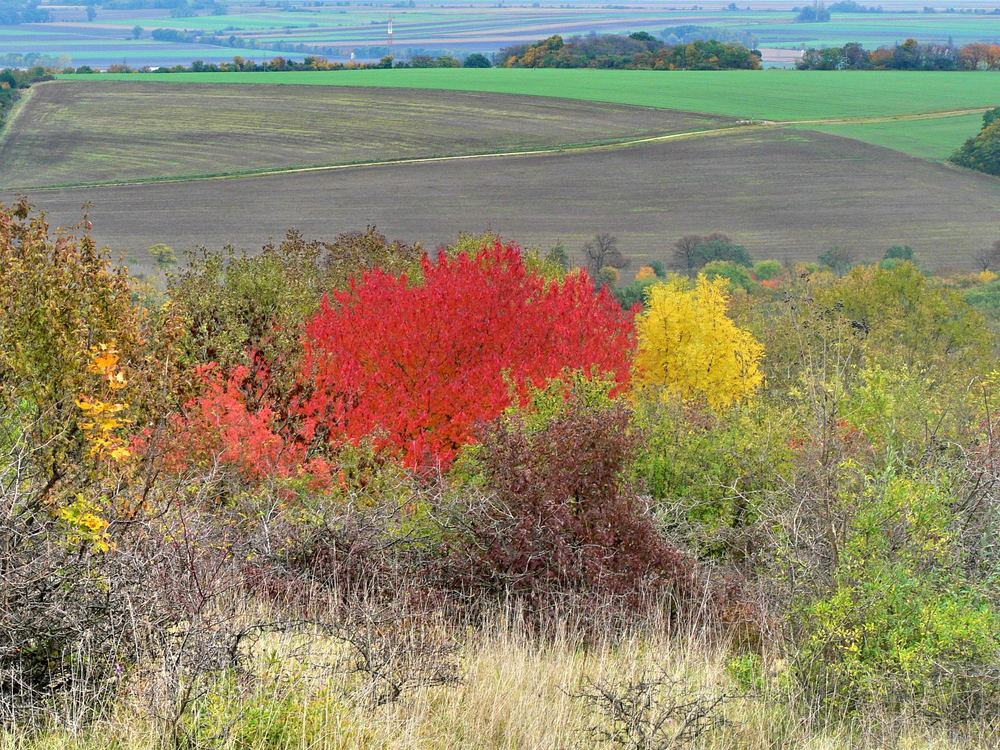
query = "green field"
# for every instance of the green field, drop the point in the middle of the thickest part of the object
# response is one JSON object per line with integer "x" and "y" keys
{"x": 936, "y": 138}
{"x": 772, "y": 95}
{"x": 106, "y": 131}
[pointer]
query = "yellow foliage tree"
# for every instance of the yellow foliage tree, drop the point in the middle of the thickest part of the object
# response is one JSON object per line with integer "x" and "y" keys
{"x": 690, "y": 346}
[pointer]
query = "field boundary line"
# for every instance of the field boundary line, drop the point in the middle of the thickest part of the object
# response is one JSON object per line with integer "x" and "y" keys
{"x": 939, "y": 115}
{"x": 547, "y": 150}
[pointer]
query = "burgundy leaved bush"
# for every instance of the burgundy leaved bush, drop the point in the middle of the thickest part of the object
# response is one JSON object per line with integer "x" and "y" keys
{"x": 561, "y": 517}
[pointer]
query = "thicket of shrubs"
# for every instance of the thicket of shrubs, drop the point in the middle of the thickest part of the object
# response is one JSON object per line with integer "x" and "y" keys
{"x": 982, "y": 151}
{"x": 361, "y": 436}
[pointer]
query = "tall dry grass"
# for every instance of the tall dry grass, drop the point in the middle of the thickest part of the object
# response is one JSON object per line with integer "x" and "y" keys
{"x": 516, "y": 690}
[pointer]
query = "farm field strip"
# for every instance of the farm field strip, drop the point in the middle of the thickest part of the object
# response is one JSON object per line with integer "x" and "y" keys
{"x": 532, "y": 151}
{"x": 134, "y": 131}
{"x": 95, "y": 132}
{"x": 784, "y": 194}
{"x": 771, "y": 95}
{"x": 929, "y": 138}
{"x": 924, "y": 143}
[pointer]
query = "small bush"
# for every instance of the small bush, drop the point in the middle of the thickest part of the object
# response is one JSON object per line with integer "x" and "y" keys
{"x": 653, "y": 711}
{"x": 982, "y": 151}
{"x": 838, "y": 259}
{"x": 766, "y": 270}
{"x": 709, "y": 475}
{"x": 986, "y": 299}
{"x": 902, "y": 622}
{"x": 558, "y": 517}
{"x": 720, "y": 249}
{"x": 899, "y": 252}
{"x": 736, "y": 274}
{"x": 635, "y": 293}
{"x": 690, "y": 349}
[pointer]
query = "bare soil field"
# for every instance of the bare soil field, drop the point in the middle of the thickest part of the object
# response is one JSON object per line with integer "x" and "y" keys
{"x": 100, "y": 131}
{"x": 785, "y": 194}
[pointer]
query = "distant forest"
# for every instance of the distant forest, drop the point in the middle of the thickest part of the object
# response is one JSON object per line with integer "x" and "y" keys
{"x": 910, "y": 55}
{"x": 638, "y": 51}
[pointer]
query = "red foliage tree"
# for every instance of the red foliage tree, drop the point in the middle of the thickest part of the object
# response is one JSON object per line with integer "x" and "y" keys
{"x": 421, "y": 367}
{"x": 418, "y": 368}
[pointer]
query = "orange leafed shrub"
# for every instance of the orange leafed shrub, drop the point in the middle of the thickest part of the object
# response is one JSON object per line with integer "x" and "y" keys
{"x": 645, "y": 272}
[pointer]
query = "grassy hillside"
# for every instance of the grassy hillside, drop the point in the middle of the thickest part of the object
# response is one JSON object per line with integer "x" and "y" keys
{"x": 773, "y": 94}
{"x": 935, "y": 138}
{"x": 785, "y": 194}
{"x": 73, "y": 133}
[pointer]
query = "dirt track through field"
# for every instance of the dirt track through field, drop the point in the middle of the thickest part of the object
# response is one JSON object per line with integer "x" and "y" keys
{"x": 599, "y": 145}
{"x": 785, "y": 194}
{"x": 111, "y": 132}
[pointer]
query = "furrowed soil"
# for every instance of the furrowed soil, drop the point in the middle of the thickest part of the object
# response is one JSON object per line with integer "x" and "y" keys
{"x": 102, "y": 131}
{"x": 785, "y": 194}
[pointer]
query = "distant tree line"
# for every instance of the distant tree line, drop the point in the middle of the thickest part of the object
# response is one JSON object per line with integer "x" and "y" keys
{"x": 34, "y": 60}
{"x": 689, "y": 33}
{"x": 849, "y": 6}
{"x": 817, "y": 12}
{"x": 638, "y": 51}
{"x": 910, "y": 55}
{"x": 982, "y": 152}
{"x": 22, "y": 11}
{"x": 311, "y": 62}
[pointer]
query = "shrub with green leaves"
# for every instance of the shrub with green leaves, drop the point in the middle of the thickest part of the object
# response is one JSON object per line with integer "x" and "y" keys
{"x": 982, "y": 151}
{"x": 837, "y": 259}
{"x": 766, "y": 270}
{"x": 901, "y": 316}
{"x": 720, "y": 249}
{"x": 707, "y": 474}
{"x": 635, "y": 293}
{"x": 986, "y": 299}
{"x": 737, "y": 274}
{"x": 901, "y": 621}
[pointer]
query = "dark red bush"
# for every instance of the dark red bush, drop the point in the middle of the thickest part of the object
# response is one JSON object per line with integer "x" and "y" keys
{"x": 559, "y": 517}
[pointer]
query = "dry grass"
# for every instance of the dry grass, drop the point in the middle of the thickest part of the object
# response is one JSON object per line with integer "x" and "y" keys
{"x": 517, "y": 691}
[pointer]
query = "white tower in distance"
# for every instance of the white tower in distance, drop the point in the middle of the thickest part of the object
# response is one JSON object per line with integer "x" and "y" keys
{"x": 388, "y": 33}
